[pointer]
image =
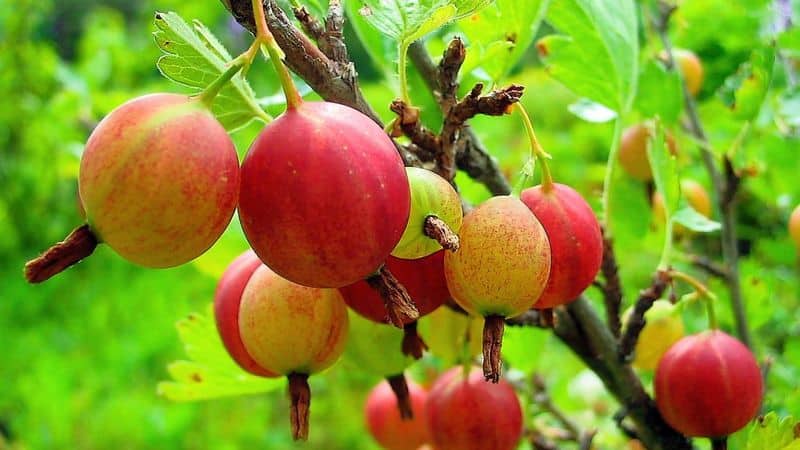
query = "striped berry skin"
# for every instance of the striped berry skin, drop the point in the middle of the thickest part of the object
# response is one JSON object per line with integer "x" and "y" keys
{"x": 708, "y": 385}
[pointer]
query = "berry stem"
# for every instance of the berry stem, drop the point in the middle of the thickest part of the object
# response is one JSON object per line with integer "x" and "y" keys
{"x": 399, "y": 306}
{"x": 703, "y": 291}
{"x": 547, "y": 318}
{"x": 413, "y": 345}
{"x": 300, "y": 394}
{"x": 402, "y": 73}
{"x": 211, "y": 91}
{"x": 536, "y": 150}
{"x": 264, "y": 36}
{"x": 492, "y": 342}
{"x": 438, "y": 230}
{"x": 399, "y": 386}
{"x": 666, "y": 251}
{"x": 77, "y": 246}
{"x": 612, "y": 162}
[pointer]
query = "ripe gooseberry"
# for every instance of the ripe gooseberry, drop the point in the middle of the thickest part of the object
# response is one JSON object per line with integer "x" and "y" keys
{"x": 385, "y": 423}
{"x": 500, "y": 270}
{"x": 633, "y": 151}
{"x": 292, "y": 330}
{"x": 465, "y": 413}
{"x": 159, "y": 180}
{"x": 424, "y": 280}
{"x": 794, "y": 226}
{"x": 324, "y": 195}
{"x": 708, "y": 385}
{"x": 576, "y": 242}
{"x": 691, "y": 69}
{"x": 227, "y": 300}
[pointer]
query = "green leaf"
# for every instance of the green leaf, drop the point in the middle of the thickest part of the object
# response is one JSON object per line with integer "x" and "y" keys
{"x": 665, "y": 170}
{"x": 695, "y": 221}
{"x": 744, "y": 91}
{"x": 591, "y": 111}
{"x": 500, "y": 34}
{"x": 408, "y": 20}
{"x": 210, "y": 372}
{"x": 596, "y": 56}
{"x": 659, "y": 93}
{"x": 195, "y": 58}
{"x": 773, "y": 433}
{"x": 380, "y": 48}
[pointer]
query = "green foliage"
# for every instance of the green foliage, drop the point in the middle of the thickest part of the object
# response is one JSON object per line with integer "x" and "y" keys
{"x": 774, "y": 433}
{"x": 659, "y": 93}
{"x": 194, "y": 57}
{"x": 500, "y": 34}
{"x": 210, "y": 372}
{"x": 405, "y": 21}
{"x": 596, "y": 53}
{"x": 83, "y": 352}
{"x": 744, "y": 92}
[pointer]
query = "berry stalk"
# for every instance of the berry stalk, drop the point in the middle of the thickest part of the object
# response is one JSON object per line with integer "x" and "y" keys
{"x": 77, "y": 246}
{"x": 399, "y": 386}
{"x": 264, "y": 36}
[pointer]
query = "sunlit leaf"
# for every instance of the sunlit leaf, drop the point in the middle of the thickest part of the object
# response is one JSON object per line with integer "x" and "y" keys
{"x": 591, "y": 111}
{"x": 773, "y": 433}
{"x": 500, "y": 34}
{"x": 744, "y": 91}
{"x": 596, "y": 51}
{"x": 659, "y": 93}
{"x": 193, "y": 57}
{"x": 408, "y": 20}
{"x": 210, "y": 372}
{"x": 695, "y": 221}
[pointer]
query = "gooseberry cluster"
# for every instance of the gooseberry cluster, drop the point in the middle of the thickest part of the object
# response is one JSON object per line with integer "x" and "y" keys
{"x": 335, "y": 221}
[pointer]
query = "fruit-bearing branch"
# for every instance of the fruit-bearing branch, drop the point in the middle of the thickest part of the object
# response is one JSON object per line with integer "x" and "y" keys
{"x": 337, "y": 81}
{"x": 725, "y": 184}
{"x": 578, "y": 325}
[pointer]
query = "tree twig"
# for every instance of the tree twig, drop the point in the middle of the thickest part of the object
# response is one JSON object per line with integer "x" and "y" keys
{"x": 310, "y": 24}
{"x": 471, "y": 155}
{"x": 584, "y": 332}
{"x": 335, "y": 82}
{"x": 708, "y": 266}
{"x": 636, "y": 321}
{"x": 612, "y": 289}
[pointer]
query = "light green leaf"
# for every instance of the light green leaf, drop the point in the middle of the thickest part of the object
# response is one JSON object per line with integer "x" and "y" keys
{"x": 210, "y": 372}
{"x": 773, "y": 433}
{"x": 380, "y": 48}
{"x": 596, "y": 54}
{"x": 195, "y": 58}
{"x": 499, "y": 35}
{"x": 408, "y": 20}
{"x": 659, "y": 93}
{"x": 591, "y": 111}
{"x": 744, "y": 91}
{"x": 695, "y": 221}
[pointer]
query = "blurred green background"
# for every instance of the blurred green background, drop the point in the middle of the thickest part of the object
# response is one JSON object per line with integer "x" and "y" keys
{"x": 82, "y": 353}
